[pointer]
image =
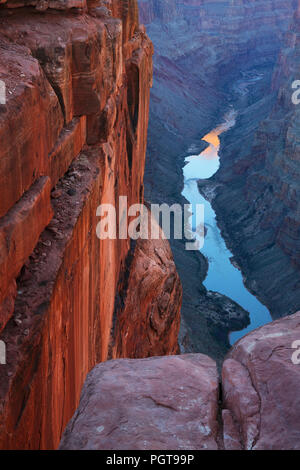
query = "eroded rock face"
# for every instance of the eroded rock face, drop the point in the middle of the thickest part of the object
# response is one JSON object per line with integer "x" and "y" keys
{"x": 30, "y": 121}
{"x": 147, "y": 317}
{"x": 202, "y": 50}
{"x": 172, "y": 402}
{"x": 73, "y": 133}
{"x": 43, "y": 5}
{"x": 257, "y": 199}
{"x": 20, "y": 230}
{"x": 157, "y": 403}
{"x": 260, "y": 389}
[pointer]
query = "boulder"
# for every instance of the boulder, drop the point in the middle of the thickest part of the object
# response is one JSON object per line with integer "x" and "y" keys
{"x": 157, "y": 403}
{"x": 261, "y": 380}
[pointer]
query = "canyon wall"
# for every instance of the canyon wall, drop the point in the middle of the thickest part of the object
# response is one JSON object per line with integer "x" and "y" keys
{"x": 203, "y": 49}
{"x": 73, "y": 136}
{"x": 260, "y": 376}
{"x": 258, "y": 197}
{"x": 149, "y": 297}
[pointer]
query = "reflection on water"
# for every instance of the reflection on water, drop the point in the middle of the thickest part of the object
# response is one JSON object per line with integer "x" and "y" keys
{"x": 222, "y": 276}
{"x": 206, "y": 164}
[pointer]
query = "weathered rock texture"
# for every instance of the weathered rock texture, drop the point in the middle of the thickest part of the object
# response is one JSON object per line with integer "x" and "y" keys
{"x": 157, "y": 403}
{"x": 149, "y": 294}
{"x": 172, "y": 402}
{"x": 257, "y": 199}
{"x": 260, "y": 383}
{"x": 73, "y": 135}
{"x": 204, "y": 51}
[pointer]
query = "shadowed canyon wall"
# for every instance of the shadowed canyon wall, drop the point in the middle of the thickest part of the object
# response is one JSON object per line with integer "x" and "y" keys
{"x": 202, "y": 50}
{"x": 73, "y": 136}
{"x": 263, "y": 172}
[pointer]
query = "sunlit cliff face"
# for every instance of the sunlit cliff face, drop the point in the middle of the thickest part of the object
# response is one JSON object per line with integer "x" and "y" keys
{"x": 207, "y": 162}
{"x": 211, "y": 152}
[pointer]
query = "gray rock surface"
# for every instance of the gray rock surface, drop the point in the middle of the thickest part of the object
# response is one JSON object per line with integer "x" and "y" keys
{"x": 258, "y": 192}
{"x": 261, "y": 380}
{"x": 158, "y": 404}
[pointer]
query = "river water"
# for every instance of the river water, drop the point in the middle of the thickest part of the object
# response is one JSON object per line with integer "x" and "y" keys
{"x": 222, "y": 276}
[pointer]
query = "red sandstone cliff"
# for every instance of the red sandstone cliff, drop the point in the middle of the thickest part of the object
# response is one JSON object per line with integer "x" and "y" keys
{"x": 150, "y": 292}
{"x": 73, "y": 135}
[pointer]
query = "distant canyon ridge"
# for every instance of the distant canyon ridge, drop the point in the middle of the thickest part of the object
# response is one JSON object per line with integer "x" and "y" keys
{"x": 83, "y": 318}
{"x": 205, "y": 54}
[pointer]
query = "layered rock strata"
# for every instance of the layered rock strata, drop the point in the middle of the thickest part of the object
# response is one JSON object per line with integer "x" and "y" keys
{"x": 203, "y": 53}
{"x": 147, "y": 319}
{"x": 257, "y": 199}
{"x": 73, "y": 136}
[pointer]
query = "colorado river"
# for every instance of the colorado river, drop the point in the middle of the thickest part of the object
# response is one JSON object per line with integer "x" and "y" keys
{"x": 222, "y": 276}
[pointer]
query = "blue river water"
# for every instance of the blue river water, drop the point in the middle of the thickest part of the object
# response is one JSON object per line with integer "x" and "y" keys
{"x": 223, "y": 276}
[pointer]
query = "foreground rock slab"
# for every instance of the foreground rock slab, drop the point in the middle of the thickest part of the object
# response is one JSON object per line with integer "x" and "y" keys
{"x": 261, "y": 380}
{"x": 156, "y": 403}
